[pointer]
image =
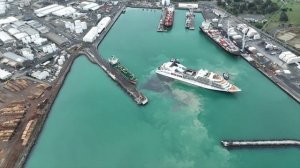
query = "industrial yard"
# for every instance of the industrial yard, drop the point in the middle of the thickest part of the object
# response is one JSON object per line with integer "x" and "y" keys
{"x": 270, "y": 56}
{"x": 38, "y": 44}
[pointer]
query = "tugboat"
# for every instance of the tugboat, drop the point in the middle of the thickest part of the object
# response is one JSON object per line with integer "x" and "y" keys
{"x": 114, "y": 62}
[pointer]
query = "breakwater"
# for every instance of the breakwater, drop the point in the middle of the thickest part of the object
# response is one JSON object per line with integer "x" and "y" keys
{"x": 261, "y": 143}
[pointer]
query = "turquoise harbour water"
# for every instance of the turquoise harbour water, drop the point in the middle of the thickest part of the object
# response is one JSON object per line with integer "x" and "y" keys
{"x": 93, "y": 123}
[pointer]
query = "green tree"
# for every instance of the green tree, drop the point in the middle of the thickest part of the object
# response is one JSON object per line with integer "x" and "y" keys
{"x": 283, "y": 17}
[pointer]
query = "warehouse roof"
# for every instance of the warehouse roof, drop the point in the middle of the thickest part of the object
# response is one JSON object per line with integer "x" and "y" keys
{"x": 59, "y": 40}
{"x": 5, "y": 37}
{"x": 14, "y": 57}
{"x": 4, "y": 74}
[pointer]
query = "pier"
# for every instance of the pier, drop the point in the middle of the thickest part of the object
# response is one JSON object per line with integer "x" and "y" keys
{"x": 161, "y": 26}
{"x": 260, "y": 143}
{"x": 91, "y": 51}
{"x": 190, "y": 20}
{"x": 129, "y": 88}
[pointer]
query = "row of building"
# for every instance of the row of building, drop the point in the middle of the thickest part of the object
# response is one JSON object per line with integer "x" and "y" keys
{"x": 12, "y": 29}
{"x": 96, "y": 30}
{"x": 64, "y": 11}
{"x": 55, "y": 9}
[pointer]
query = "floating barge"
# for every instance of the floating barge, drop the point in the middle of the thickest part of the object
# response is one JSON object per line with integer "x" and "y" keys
{"x": 260, "y": 143}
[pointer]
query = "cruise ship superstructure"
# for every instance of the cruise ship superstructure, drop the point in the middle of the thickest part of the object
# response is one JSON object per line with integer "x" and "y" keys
{"x": 201, "y": 78}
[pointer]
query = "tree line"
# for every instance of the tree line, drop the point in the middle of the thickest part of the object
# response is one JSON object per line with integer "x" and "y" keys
{"x": 243, "y": 6}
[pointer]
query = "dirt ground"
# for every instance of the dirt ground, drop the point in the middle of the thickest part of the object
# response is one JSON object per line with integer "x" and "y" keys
{"x": 20, "y": 102}
{"x": 290, "y": 36}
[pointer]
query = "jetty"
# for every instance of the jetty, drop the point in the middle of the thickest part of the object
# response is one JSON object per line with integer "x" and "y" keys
{"x": 261, "y": 143}
{"x": 161, "y": 26}
{"x": 129, "y": 88}
{"x": 91, "y": 51}
{"x": 190, "y": 19}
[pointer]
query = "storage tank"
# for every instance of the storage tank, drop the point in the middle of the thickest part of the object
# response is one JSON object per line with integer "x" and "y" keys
{"x": 98, "y": 16}
{"x": 45, "y": 49}
{"x": 60, "y": 62}
{"x": 49, "y": 49}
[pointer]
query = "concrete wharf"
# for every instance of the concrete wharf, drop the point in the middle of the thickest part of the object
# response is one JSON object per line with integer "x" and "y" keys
{"x": 161, "y": 27}
{"x": 261, "y": 143}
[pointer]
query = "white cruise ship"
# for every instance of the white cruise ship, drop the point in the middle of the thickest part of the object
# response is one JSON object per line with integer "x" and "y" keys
{"x": 202, "y": 78}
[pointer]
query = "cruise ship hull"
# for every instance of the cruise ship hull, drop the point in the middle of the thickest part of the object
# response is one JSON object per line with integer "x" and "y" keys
{"x": 194, "y": 83}
{"x": 236, "y": 53}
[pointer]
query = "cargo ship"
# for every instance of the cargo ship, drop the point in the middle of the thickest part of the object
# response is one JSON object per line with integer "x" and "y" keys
{"x": 216, "y": 36}
{"x": 115, "y": 63}
{"x": 200, "y": 78}
{"x": 169, "y": 16}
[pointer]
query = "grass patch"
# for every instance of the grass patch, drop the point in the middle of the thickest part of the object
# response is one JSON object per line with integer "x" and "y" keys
{"x": 293, "y": 15}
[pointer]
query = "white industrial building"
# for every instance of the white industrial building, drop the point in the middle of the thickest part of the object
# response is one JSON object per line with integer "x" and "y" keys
{"x": 187, "y": 5}
{"x": 103, "y": 23}
{"x": 289, "y": 57}
{"x": 57, "y": 10}
{"x": 14, "y": 57}
{"x": 23, "y": 3}
{"x": 91, "y": 35}
{"x": 27, "y": 53}
{"x": 41, "y": 75}
{"x": 85, "y": 5}
{"x": 165, "y": 2}
{"x": 20, "y": 36}
{"x": 6, "y": 38}
{"x": 47, "y": 10}
{"x": 8, "y": 20}
{"x": 50, "y": 48}
{"x": 66, "y": 11}
{"x": 77, "y": 26}
{"x": 251, "y": 32}
{"x": 4, "y": 75}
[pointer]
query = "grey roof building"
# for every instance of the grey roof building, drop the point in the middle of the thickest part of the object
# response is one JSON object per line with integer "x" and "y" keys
{"x": 59, "y": 40}
{"x": 14, "y": 57}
